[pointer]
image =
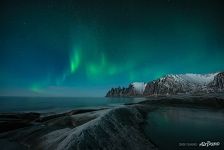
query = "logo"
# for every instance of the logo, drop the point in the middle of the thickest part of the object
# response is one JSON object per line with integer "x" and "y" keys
{"x": 209, "y": 143}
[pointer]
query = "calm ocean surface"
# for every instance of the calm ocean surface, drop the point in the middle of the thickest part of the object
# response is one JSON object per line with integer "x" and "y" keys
{"x": 51, "y": 104}
{"x": 178, "y": 128}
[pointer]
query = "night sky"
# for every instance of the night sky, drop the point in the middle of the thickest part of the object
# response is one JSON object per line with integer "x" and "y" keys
{"x": 85, "y": 47}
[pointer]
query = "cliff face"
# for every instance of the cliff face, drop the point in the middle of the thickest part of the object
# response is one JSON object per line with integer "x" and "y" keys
{"x": 175, "y": 84}
{"x": 163, "y": 86}
{"x": 218, "y": 82}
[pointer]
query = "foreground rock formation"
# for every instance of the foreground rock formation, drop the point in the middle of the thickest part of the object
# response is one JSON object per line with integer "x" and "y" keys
{"x": 118, "y": 128}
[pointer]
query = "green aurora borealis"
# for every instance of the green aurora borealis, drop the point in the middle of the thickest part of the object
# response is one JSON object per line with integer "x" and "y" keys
{"x": 85, "y": 47}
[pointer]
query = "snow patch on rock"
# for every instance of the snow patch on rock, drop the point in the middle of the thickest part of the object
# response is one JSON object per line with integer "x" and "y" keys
{"x": 139, "y": 87}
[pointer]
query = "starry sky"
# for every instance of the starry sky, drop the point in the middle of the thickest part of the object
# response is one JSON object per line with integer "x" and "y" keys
{"x": 85, "y": 47}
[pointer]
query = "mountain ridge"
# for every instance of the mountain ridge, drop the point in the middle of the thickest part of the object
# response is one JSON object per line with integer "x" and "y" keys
{"x": 173, "y": 84}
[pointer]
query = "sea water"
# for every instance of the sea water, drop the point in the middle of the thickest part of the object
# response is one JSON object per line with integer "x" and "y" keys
{"x": 52, "y": 104}
{"x": 186, "y": 128}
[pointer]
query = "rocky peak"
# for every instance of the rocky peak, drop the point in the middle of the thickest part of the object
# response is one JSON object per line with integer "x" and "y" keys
{"x": 218, "y": 82}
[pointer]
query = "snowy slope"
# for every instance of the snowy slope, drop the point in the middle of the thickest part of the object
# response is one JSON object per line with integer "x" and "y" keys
{"x": 200, "y": 79}
{"x": 180, "y": 83}
{"x": 139, "y": 87}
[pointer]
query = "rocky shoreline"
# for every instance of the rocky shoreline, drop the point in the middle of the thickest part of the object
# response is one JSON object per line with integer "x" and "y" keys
{"x": 107, "y": 128}
{"x": 88, "y": 129}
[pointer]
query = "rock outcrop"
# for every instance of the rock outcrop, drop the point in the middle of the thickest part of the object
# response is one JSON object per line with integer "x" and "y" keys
{"x": 134, "y": 89}
{"x": 119, "y": 129}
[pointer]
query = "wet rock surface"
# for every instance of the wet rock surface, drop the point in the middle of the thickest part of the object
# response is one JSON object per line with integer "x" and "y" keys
{"x": 111, "y": 128}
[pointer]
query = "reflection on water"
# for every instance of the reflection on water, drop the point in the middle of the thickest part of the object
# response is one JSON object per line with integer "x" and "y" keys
{"x": 52, "y": 104}
{"x": 169, "y": 127}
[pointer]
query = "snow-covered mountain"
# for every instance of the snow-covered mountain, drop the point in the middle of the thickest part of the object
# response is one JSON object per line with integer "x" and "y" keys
{"x": 173, "y": 84}
{"x": 134, "y": 89}
{"x": 181, "y": 83}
